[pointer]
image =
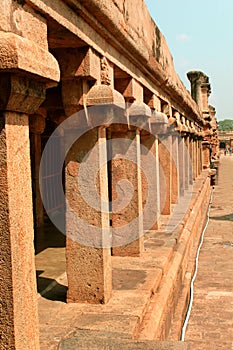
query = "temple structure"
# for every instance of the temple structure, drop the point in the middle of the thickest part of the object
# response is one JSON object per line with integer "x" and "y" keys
{"x": 101, "y": 141}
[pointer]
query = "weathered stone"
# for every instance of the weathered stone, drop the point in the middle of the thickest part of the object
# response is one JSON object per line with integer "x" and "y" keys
{"x": 85, "y": 340}
{"x": 88, "y": 245}
{"x": 115, "y": 67}
{"x": 25, "y": 22}
{"x": 175, "y": 170}
{"x": 150, "y": 182}
{"x": 21, "y": 94}
{"x": 20, "y": 54}
{"x": 125, "y": 166}
{"x": 165, "y": 163}
{"x": 18, "y": 298}
{"x": 79, "y": 63}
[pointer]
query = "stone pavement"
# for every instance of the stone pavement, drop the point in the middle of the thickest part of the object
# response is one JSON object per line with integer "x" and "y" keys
{"x": 211, "y": 322}
{"x": 142, "y": 304}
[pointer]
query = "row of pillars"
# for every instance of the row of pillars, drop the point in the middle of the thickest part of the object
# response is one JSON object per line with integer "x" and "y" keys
{"x": 27, "y": 70}
{"x": 88, "y": 266}
{"x": 147, "y": 174}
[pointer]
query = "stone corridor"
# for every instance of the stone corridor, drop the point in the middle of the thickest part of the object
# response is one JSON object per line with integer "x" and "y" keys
{"x": 211, "y": 323}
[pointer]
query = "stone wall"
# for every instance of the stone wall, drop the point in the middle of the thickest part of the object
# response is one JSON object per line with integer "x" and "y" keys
{"x": 100, "y": 69}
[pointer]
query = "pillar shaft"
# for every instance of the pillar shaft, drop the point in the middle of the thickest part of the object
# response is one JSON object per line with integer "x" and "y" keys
{"x": 150, "y": 182}
{"x": 127, "y": 218}
{"x": 87, "y": 249}
{"x": 191, "y": 161}
{"x": 199, "y": 157}
{"x": 187, "y": 163}
{"x": 175, "y": 171}
{"x": 165, "y": 163}
{"x": 18, "y": 296}
{"x": 181, "y": 151}
{"x": 36, "y": 127}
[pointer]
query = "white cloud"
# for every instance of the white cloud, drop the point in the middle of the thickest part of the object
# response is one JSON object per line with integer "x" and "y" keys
{"x": 183, "y": 37}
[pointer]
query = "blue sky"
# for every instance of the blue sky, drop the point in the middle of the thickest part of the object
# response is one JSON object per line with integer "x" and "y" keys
{"x": 199, "y": 34}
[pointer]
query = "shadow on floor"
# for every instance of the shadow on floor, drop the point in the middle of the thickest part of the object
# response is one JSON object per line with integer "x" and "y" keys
{"x": 228, "y": 217}
{"x": 57, "y": 292}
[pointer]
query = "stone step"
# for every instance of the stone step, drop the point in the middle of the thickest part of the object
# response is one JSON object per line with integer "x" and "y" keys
{"x": 85, "y": 340}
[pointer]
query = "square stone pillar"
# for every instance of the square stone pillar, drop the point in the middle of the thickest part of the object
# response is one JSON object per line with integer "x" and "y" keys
{"x": 88, "y": 243}
{"x": 187, "y": 163}
{"x": 175, "y": 170}
{"x": 181, "y": 152}
{"x": 191, "y": 160}
{"x": 18, "y": 295}
{"x": 165, "y": 175}
{"x": 199, "y": 157}
{"x": 127, "y": 219}
{"x": 37, "y": 126}
{"x": 205, "y": 155}
{"x": 150, "y": 181}
{"x": 196, "y": 161}
{"x": 26, "y": 69}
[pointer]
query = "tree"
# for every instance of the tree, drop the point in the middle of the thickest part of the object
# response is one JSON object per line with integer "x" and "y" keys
{"x": 225, "y": 125}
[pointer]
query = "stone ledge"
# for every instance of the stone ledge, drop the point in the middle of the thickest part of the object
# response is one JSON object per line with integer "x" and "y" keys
{"x": 19, "y": 54}
{"x": 158, "y": 319}
{"x": 84, "y": 340}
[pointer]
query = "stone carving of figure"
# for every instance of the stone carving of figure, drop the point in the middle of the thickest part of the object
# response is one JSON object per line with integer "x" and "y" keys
{"x": 105, "y": 77}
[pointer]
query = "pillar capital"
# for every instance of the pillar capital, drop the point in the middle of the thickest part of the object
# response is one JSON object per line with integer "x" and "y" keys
{"x": 26, "y": 70}
{"x": 139, "y": 114}
{"x": 105, "y": 103}
{"x": 200, "y": 88}
{"x": 159, "y": 123}
{"x": 199, "y": 78}
{"x": 18, "y": 54}
{"x": 21, "y": 93}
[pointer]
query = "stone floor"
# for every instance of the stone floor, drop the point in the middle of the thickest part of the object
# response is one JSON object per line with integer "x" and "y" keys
{"x": 135, "y": 280}
{"x": 211, "y": 322}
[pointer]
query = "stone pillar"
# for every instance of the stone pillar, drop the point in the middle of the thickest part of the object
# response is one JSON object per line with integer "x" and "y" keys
{"x": 88, "y": 248}
{"x": 126, "y": 160}
{"x": 200, "y": 156}
{"x": 18, "y": 296}
{"x": 192, "y": 159}
{"x": 21, "y": 95}
{"x": 196, "y": 157}
{"x": 181, "y": 152}
{"x": 88, "y": 253}
{"x": 37, "y": 126}
{"x": 165, "y": 162}
{"x": 188, "y": 163}
{"x": 156, "y": 147}
{"x": 190, "y": 153}
{"x": 200, "y": 89}
{"x": 175, "y": 170}
{"x": 126, "y": 168}
{"x": 159, "y": 128}
{"x": 150, "y": 181}
{"x": 205, "y": 155}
